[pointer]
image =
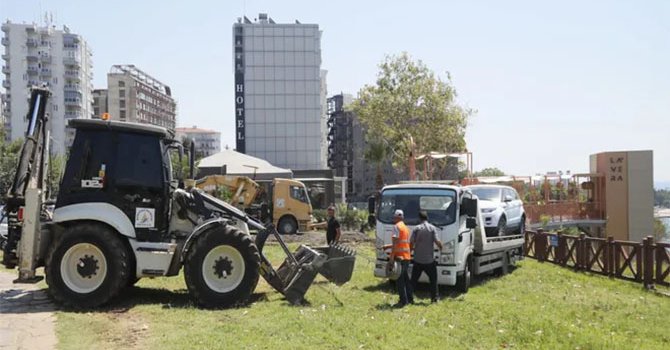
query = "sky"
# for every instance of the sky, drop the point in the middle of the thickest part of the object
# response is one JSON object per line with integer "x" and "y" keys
{"x": 552, "y": 83}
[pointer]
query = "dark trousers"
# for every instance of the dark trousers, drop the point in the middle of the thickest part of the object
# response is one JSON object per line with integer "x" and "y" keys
{"x": 431, "y": 271}
{"x": 404, "y": 285}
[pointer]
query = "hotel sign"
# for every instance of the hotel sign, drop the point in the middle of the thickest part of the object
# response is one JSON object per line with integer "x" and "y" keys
{"x": 239, "y": 91}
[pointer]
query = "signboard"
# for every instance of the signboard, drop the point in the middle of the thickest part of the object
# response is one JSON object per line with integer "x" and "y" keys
{"x": 240, "y": 144}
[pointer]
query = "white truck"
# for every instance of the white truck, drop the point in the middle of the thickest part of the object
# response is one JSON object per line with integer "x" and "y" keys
{"x": 454, "y": 210}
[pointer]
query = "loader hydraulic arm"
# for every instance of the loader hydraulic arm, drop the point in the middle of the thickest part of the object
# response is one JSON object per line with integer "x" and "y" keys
{"x": 29, "y": 180}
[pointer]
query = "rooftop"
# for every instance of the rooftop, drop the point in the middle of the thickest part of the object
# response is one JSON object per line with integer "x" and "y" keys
{"x": 195, "y": 129}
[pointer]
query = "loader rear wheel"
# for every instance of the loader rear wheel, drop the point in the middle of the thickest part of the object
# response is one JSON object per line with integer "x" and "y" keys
{"x": 87, "y": 266}
{"x": 221, "y": 268}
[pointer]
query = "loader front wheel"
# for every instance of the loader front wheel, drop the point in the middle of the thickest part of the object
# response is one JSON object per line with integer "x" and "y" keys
{"x": 87, "y": 266}
{"x": 221, "y": 268}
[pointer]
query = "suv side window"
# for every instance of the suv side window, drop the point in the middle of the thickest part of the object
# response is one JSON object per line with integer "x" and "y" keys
{"x": 138, "y": 161}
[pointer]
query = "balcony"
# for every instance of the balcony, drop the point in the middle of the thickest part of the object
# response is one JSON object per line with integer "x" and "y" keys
{"x": 73, "y": 102}
{"x": 72, "y": 87}
{"x": 5, "y": 69}
{"x": 72, "y": 61}
{"x": 72, "y": 74}
{"x": 32, "y": 70}
{"x": 6, "y": 84}
{"x": 31, "y": 42}
{"x": 31, "y": 57}
{"x": 45, "y": 72}
{"x": 5, "y": 41}
{"x": 45, "y": 58}
{"x": 33, "y": 83}
{"x": 72, "y": 115}
{"x": 5, "y": 27}
{"x": 5, "y": 56}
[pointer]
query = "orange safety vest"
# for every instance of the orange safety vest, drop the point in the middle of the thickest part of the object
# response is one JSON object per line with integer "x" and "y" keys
{"x": 401, "y": 248}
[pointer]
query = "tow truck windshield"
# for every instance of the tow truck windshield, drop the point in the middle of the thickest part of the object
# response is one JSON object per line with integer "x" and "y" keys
{"x": 440, "y": 204}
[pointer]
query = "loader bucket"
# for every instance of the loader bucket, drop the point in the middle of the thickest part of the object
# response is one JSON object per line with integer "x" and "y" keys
{"x": 339, "y": 266}
{"x": 299, "y": 269}
{"x": 298, "y": 279}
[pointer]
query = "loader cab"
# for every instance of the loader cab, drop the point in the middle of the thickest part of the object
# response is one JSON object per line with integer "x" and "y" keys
{"x": 123, "y": 164}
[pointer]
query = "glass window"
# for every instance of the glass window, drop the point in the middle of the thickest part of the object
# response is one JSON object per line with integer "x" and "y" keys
{"x": 299, "y": 193}
{"x": 487, "y": 193}
{"x": 139, "y": 161}
{"x": 122, "y": 84}
{"x": 122, "y": 93}
{"x": 438, "y": 203}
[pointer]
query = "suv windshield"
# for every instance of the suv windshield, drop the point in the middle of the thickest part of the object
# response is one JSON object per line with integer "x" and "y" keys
{"x": 438, "y": 203}
{"x": 487, "y": 193}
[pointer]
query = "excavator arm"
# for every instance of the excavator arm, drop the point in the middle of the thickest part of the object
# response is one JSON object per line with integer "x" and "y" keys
{"x": 244, "y": 189}
{"x": 26, "y": 194}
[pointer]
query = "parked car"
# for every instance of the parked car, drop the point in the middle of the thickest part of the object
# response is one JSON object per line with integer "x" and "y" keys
{"x": 501, "y": 208}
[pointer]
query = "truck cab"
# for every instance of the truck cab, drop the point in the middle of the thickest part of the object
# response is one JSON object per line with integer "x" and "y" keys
{"x": 291, "y": 207}
{"x": 454, "y": 211}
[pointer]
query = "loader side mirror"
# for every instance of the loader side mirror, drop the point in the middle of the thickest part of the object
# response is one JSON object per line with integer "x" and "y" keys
{"x": 470, "y": 223}
{"x": 469, "y": 207}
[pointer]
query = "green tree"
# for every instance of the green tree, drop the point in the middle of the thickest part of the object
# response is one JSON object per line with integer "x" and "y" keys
{"x": 408, "y": 99}
{"x": 662, "y": 198}
{"x": 376, "y": 153}
{"x": 8, "y": 162}
{"x": 54, "y": 175}
{"x": 490, "y": 172}
{"x": 659, "y": 229}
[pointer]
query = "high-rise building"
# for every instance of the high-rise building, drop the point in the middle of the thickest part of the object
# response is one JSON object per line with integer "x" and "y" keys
{"x": 43, "y": 55}
{"x": 100, "y": 105}
{"x": 207, "y": 142}
{"x": 134, "y": 96}
{"x": 346, "y": 152}
{"x": 280, "y": 92}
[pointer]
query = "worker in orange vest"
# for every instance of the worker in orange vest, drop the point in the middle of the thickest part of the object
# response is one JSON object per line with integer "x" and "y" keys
{"x": 400, "y": 251}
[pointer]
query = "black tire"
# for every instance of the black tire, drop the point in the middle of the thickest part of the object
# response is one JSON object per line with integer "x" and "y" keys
{"x": 502, "y": 226}
{"x": 522, "y": 226}
{"x": 230, "y": 240}
{"x": 463, "y": 281}
{"x": 287, "y": 226}
{"x": 67, "y": 255}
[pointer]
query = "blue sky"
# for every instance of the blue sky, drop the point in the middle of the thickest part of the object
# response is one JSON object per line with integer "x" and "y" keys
{"x": 552, "y": 83}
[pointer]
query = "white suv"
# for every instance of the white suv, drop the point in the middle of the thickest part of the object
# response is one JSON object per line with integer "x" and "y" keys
{"x": 501, "y": 208}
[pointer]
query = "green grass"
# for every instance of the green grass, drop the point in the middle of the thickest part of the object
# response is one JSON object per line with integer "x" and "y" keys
{"x": 538, "y": 306}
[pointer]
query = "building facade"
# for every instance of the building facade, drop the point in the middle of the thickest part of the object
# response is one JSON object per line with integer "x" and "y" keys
{"x": 279, "y": 92}
{"x": 100, "y": 104}
{"x": 346, "y": 152}
{"x": 45, "y": 56}
{"x": 207, "y": 142}
{"x": 134, "y": 96}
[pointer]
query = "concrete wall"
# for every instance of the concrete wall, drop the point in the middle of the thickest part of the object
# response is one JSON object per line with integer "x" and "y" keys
{"x": 640, "y": 195}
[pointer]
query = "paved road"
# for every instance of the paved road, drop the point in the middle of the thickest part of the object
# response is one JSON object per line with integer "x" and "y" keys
{"x": 26, "y": 316}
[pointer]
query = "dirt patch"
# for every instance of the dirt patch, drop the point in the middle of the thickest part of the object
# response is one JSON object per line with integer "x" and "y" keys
{"x": 318, "y": 238}
{"x": 129, "y": 331}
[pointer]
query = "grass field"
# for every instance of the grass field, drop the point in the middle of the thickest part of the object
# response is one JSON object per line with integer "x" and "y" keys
{"x": 536, "y": 306}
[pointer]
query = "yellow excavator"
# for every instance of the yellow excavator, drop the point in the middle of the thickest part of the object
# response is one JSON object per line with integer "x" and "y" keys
{"x": 288, "y": 205}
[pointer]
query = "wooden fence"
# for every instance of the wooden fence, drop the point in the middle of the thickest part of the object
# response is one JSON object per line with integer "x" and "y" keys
{"x": 647, "y": 262}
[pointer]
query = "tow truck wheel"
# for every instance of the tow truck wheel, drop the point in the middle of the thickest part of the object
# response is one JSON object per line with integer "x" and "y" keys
{"x": 221, "y": 267}
{"x": 463, "y": 281}
{"x": 87, "y": 266}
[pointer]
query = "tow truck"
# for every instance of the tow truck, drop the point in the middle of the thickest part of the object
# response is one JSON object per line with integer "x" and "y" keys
{"x": 454, "y": 210}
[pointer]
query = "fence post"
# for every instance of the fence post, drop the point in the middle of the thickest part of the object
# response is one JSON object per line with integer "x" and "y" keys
{"x": 540, "y": 245}
{"x": 581, "y": 251}
{"x": 609, "y": 261}
{"x": 617, "y": 258}
{"x": 648, "y": 262}
{"x": 559, "y": 252}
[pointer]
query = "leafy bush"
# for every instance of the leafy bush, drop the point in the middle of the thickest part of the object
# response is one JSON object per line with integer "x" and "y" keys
{"x": 544, "y": 220}
{"x": 320, "y": 215}
{"x": 351, "y": 219}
